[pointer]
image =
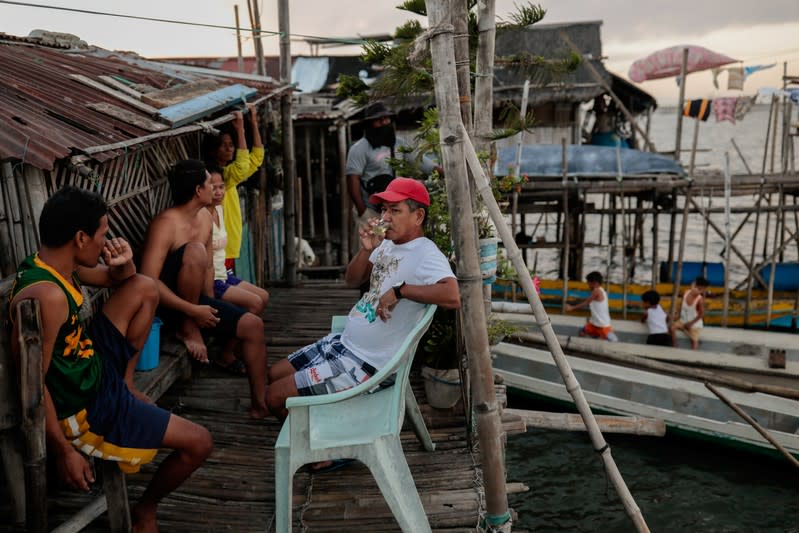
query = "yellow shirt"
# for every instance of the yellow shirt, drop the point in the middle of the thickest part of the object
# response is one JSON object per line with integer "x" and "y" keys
{"x": 244, "y": 166}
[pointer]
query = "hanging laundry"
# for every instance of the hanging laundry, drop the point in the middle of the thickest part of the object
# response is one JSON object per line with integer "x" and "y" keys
{"x": 735, "y": 79}
{"x": 794, "y": 95}
{"x": 724, "y": 108}
{"x": 699, "y": 109}
{"x": 748, "y": 71}
{"x": 716, "y": 72}
{"x": 743, "y": 105}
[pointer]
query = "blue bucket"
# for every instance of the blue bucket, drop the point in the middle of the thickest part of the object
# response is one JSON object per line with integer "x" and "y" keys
{"x": 152, "y": 348}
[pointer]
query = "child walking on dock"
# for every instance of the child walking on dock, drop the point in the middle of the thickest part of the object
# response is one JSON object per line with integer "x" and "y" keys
{"x": 691, "y": 312}
{"x": 598, "y": 324}
{"x": 656, "y": 319}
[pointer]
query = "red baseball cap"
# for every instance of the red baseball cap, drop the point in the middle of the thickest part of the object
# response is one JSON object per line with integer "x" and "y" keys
{"x": 402, "y": 189}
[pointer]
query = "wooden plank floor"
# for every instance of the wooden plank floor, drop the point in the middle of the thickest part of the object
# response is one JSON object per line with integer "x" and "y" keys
{"x": 234, "y": 490}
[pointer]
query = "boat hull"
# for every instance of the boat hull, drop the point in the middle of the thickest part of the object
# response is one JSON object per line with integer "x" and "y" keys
{"x": 686, "y": 406}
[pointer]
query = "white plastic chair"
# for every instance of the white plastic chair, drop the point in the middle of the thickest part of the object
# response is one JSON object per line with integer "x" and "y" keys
{"x": 357, "y": 425}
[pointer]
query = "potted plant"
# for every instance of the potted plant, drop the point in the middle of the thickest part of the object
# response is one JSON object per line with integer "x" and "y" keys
{"x": 440, "y": 361}
{"x": 499, "y": 329}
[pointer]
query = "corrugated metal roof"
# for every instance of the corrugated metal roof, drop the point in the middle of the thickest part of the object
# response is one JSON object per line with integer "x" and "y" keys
{"x": 43, "y": 110}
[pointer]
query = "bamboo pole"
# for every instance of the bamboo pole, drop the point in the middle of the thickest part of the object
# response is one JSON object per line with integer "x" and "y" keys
{"x": 750, "y": 277}
{"x": 453, "y": 135}
{"x": 484, "y": 74}
{"x": 677, "y": 279}
{"x": 743, "y": 159}
{"x": 727, "y": 242}
{"x": 681, "y": 102}
{"x": 620, "y": 180}
{"x": 323, "y": 184}
{"x": 287, "y": 129}
{"x": 309, "y": 184}
{"x": 773, "y": 270}
{"x": 633, "y": 425}
{"x": 459, "y": 16}
{"x": 691, "y": 166}
{"x": 518, "y": 162}
{"x": 298, "y": 208}
{"x": 655, "y": 245}
{"x": 346, "y": 212}
{"x": 239, "y": 56}
{"x": 751, "y": 421}
{"x": 566, "y": 240}
{"x": 514, "y": 255}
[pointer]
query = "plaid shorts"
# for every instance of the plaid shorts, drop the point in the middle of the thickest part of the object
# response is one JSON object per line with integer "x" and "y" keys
{"x": 326, "y": 366}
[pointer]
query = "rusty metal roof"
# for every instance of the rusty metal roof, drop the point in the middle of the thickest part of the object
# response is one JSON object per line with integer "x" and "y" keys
{"x": 43, "y": 113}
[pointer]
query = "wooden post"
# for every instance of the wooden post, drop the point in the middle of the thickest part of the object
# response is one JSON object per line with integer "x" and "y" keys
{"x": 239, "y": 56}
{"x": 32, "y": 392}
{"x": 518, "y": 162}
{"x": 620, "y": 181}
{"x": 727, "y": 242}
{"x": 681, "y": 252}
{"x": 259, "y": 46}
{"x": 681, "y": 102}
{"x": 287, "y": 129}
{"x": 655, "y": 245}
{"x": 693, "y": 147}
{"x": 116, "y": 495}
{"x": 344, "y": 254}
{"x": 484, "y": 74}
{"x": 298, "y": 244}
{"x": 773, "y": 270}
{"x": 323, "y": 182}
{"x": 751, "y": 275}
{"x": 566, "y": 219}
{"x": 459, "y": 199}
{"x": 515, "y": 256}
{"x": 309, "y": 183}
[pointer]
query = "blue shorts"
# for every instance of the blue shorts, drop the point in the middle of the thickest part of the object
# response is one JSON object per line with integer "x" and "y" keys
{"x": 222, "y": 285}
{"x": 115, "y": 425}
{"x": 326, "y": 366}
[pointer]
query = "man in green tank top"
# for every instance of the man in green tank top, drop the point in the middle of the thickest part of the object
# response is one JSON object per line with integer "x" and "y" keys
{"x": 90, "y": 402}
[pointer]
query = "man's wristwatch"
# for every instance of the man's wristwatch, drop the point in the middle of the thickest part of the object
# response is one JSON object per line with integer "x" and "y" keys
{"x": 397, "y": 288}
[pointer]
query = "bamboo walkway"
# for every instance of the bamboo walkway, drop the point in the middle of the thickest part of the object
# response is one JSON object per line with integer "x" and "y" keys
{"x": 234, "y": 490}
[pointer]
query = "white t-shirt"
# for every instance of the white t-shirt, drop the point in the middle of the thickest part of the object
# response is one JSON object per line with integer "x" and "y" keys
{"x": 656, "y": 320}
{"x": 218, "y": 243}
{"x": 417, "y": 262}
{"x": 600, "y": 314}
{"x": 368, "y": 162}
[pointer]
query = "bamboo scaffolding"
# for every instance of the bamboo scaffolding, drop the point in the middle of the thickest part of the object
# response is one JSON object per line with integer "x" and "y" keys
{"x": 566, "y": 249}
{"x": 514, "y": 255}
{"x": 453, "y": 136}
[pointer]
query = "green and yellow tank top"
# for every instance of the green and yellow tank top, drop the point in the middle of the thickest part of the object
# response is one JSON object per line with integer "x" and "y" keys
{"x": 75, "y": 368}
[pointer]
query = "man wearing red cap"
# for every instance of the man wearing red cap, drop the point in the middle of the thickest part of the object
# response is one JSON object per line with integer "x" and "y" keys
{"x": 405, "y": 271}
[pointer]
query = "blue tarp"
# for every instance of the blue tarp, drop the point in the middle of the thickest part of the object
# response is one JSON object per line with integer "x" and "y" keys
{"x": 585, "y": 161}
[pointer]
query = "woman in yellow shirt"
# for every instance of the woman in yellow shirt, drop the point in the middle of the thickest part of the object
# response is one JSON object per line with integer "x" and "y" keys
{"x": 238, "y": 164}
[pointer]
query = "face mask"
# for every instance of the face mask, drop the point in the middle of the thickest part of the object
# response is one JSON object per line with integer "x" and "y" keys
{"x": 382, "y": 136}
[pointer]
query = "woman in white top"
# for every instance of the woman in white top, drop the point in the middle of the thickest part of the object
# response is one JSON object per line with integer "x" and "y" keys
{"x": 228, "y": 287}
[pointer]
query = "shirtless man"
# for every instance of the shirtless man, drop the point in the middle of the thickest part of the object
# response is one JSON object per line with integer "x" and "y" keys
{"x": 88, "y": 404}
{"x": 178, "y": 254}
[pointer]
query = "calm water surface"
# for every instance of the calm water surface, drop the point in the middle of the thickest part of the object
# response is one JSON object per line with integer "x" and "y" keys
{"x": 681, "y": 485}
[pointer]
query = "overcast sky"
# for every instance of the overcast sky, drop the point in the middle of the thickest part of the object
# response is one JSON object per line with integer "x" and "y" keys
{"x": 754, "y": 32}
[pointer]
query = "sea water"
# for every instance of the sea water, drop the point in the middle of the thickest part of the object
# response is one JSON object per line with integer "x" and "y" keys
{"x": 681, "y": 485}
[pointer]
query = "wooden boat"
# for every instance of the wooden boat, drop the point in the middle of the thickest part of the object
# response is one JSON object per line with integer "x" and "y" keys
{"x": 742, "y": 350}
{"x": 782, "y": 305}
{"x": 686, "y": 406}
